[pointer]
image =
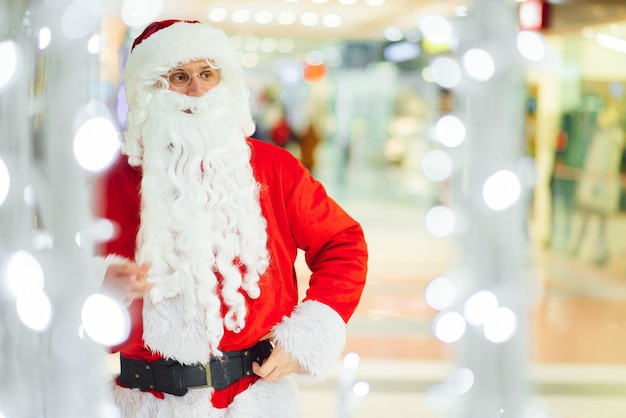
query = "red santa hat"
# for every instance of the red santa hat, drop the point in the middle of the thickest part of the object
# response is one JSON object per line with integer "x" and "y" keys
{"x": 167, "y": 44}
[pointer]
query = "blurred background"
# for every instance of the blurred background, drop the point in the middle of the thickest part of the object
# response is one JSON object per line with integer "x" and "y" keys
{"x": 381, "y": 101}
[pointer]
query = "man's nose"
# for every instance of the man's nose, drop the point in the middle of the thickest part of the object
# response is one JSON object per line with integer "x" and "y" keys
{"x": 196, "y": 88}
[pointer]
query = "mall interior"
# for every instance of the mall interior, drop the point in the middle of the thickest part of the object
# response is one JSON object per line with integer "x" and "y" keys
{"x": 360, "y": 106}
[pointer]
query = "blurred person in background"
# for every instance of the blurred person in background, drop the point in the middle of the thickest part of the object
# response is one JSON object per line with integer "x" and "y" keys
{"x": 210, "y": 223}
{"x": 599, "y": 186}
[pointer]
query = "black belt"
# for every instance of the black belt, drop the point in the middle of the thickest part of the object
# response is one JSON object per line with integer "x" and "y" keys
{"x": 172, "y": 377}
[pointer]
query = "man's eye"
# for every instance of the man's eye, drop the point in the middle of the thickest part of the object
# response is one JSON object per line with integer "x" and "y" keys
{"x": 207, "y": 75}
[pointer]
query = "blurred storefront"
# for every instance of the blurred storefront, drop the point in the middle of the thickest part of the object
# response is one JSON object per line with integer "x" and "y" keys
{"x": 575, "y": 130}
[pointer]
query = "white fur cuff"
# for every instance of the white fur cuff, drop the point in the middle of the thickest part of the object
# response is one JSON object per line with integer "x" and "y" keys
{"x": 314, "y": 335}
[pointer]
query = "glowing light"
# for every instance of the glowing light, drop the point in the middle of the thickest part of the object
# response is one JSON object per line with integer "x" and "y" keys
{"x": 79, "y": 19}
{"x": 450, "y": 131}
{"x": 286, "y": 17}
{"x": 351, "y": 361}
{"x": 263, "y": 17}
{"x": 393, "y": 34}
{"x": 332, "y": 20}
{"x": 22, "y": 274}
{"x": 440, "y": 221}
{"x": 96, "y": 44}
{"x": 531, "y": 45}
{"x": 440, "y": 293}
{"x": 437, "y": 165}
{"x": 96, "y": 144}
{"x": 374, "y": 3}
{"x": 45, "y": 37}
{"x": 268, "y": 44}
{"x": 479, "y": 64}
{"x": 401, "y": 51}
{"x": 436, "y": 29}
{"x": 104, "y": 230}
{"x": 218, "y": 14}
{"x": 137, "y": 13}
{"x": 446, "y": 72}
{"x": 240, "y": 16}
{"x": 361, "y": 389}
{"x": 500, "y": 326}
{"x": 611, "y": 42}
{"x": 309, "y": 19}
{"x": 502, "y": 190}
{"x": 449, "y": 327}
{"x": 347, "y": 2}
{"x": 479, "y": 307}
{"x": 460, "y": 381}
{"x": 5, "y": 181}
{"x": 34, "y": 310}
{"x": 105, "y": 320}
{"x": 11, "y": 61}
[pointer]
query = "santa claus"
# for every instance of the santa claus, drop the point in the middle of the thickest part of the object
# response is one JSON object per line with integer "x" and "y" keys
{"x": 210, "y": 224}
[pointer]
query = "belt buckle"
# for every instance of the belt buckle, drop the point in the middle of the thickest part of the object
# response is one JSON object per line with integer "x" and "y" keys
{"x": 207, "y": 372}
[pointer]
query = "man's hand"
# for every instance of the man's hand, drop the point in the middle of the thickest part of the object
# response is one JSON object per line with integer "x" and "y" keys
{"x": 127, "y": 281}
{"x": 278, "y": 365}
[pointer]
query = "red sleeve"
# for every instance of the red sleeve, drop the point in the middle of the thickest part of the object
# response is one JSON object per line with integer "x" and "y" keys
{"x": 333, "y": 242}
{"x": 118, "y": 200}
{"x": 334, "y": 246}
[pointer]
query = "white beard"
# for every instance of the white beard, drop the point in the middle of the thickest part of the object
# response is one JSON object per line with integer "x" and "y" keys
{"x": 200, "y": 219}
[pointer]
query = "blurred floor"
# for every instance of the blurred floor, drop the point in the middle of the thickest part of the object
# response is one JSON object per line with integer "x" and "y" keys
{"x": 578, "y": 336}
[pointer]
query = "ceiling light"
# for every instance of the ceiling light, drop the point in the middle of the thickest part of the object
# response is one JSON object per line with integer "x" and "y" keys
{"x": 332, "y": 20}
{"x": 309, "y": 19}
{"x": 375, "y": 2}
{"x": 263, "y": 17}
{"x": 286, "y": 18}
{"x": 241, "y": 16}
{"x": 611, "y": 42}
{"x": 218, "y": 14}
{"x": 347, "y": 2}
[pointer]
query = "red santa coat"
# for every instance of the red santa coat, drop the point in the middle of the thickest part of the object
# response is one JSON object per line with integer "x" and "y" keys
{"x": 299, "y": 214}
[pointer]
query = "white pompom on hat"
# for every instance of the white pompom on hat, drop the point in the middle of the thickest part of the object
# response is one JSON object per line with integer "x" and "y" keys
{"x": 167, "y": 44}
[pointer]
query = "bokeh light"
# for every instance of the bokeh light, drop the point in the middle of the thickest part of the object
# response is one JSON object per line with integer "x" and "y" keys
{"x": 450, "y": 131}
{"x": 440, "y": 293}
{"x": 139, "y": 13}
{"x": 501, "y": 190}
{"x": 351, "y": 361}
{"x": 446, "y": 72}
{"x": 5, "y": 181}
{"x": 437, "y": 165}
{"x": 80, "y": 18}
{"x": 531, "y": 45}
{"x": 479, "y": 64}
{"x": 500, "y": 326}
{"x": 460, "y": 381}
{"x": 104, "y": 320}
{"x": 449, "y": 327}
{"x": 10, "y": 58}
{"x": 96, "y": 144}
{"x": 440, "y": 221}
{"x": 45, "y": 37}
{"x": 22, "y": 274}
{"x": 361, "y": 389}
{"x": 34, "y": 310}
{"x": 436, "y": 29}
{"x": 479, "y": 307}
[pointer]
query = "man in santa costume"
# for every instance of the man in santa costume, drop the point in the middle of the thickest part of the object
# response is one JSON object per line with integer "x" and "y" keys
{"x": 210, "y": 223}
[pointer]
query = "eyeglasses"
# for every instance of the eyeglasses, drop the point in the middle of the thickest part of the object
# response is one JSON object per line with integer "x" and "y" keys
{"x": 181, "y": 77}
